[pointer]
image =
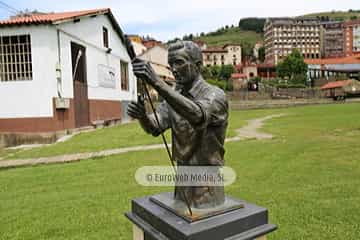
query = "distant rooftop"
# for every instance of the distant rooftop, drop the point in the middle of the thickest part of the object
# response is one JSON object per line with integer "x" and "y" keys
{"x": 355, "y": 59}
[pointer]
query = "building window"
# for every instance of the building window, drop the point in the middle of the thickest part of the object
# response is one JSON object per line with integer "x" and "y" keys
{"x": 106, "y": 37}
{"x": 15, "y": 58}
{"x": 124, "y": 70}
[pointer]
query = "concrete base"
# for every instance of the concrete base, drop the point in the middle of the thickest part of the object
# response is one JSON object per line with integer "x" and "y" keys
{"x": 154, "y": 222}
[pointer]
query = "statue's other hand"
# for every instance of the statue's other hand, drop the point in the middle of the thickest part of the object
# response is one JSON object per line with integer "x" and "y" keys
{"x": 144, "y": 71}
{"x": 136, "y": 110}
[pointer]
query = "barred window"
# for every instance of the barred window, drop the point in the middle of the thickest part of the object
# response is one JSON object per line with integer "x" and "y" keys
{"x": 124, "y": 69}
{"x": 15, "y": 58}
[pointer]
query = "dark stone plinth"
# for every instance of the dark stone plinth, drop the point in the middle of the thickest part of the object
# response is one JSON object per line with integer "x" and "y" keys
{"x": 158, "y": 223}
{"x": 180, "y": 209}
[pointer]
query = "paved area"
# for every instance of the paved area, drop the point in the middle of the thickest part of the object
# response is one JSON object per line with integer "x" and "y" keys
{"x": 249, "y": 131}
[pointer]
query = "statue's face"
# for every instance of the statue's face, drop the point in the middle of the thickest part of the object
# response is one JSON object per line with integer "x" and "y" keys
{"x": 184, "y": 70}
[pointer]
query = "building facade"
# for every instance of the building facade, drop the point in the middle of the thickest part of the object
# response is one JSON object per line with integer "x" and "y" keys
{"x": 332, "y": 39}
{"x": 158, "y": 58}
{"x": 352, "y": 37}
{"x": 282, "y": 35}
{"x": 63, "y": 71}
{"x": 229, "y": 54}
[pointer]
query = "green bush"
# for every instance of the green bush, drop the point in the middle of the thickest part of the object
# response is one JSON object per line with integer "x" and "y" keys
{"x": 219, "y": 83}
{"x": 256, "y": 79}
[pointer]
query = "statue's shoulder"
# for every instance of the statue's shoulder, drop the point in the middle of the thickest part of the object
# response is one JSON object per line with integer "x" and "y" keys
{"x": 215, "y": 91}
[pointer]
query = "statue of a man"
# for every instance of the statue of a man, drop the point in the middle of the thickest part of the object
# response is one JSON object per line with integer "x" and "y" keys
{"x": 197, "y": 114}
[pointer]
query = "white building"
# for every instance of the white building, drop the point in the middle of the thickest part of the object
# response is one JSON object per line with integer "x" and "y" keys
{"x": 63, "y": 70}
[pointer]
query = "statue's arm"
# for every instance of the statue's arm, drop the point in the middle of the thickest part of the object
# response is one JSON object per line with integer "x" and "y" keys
{"x": 185, "y": 107}
{"x": 148, "y": 122}
{"x": 149, "y": 125}
{"x": 182, "y": 105}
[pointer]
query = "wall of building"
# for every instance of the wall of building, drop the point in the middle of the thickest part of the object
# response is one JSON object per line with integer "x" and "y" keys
{"x": 282, "y": 35}
{"x": 27, "y": 99}
{"x": 157, "y": 55}
{"x": 214, "y": 58}
{"x": 250, "y": 71}
{"x": 88, "y": 32}
{"x": 228, "y": 55}
{"x": 233, "y": 56}
{"x": 332, "y": 41}
{"x": 32, "y": 102}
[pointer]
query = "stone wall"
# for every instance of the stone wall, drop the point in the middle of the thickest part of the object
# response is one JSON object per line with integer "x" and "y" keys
{"x": 274, "y": 93}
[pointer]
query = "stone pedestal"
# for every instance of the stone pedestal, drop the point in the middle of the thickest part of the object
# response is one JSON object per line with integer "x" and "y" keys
{"x": 157, "y": 221}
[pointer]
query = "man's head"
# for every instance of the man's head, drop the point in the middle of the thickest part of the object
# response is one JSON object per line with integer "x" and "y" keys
{"x": 185, "y": 60}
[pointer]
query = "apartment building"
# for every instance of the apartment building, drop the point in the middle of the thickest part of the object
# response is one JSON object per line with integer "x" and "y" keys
{"x": 227, "y": 54}
{"x": 282, "y": 35}
{"x": 332, "y": 39}
{"x": 352, "y": 37}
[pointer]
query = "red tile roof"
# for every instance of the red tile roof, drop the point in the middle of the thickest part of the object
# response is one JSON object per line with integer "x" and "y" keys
{"x": 352, "y": 23}
{"x": 215, "y": 49}
{"x": 51, "y": 17}
{"x": 337, "y": 84}
{"x": 342, "y": 60}
{"x": 238, "y": 75}
{"x": 266, "y": 65}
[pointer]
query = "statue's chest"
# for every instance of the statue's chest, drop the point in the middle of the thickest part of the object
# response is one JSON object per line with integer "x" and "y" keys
{"x": 180, "y": 125}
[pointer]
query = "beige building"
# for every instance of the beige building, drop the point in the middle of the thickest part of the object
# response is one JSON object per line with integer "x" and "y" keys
{"x": 282, "y": 35}
{"x": 229, "y": 54}
{"x": 157, "y": 56}
{"x": 256, "y": 49}
{"x": 139, "y": 48}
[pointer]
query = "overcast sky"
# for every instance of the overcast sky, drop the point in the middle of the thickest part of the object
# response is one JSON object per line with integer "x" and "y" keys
{"x": 165, "y": 20}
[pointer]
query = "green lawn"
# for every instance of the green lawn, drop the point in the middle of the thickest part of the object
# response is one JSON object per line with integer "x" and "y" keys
{"x": 308, "y": 178}
{"x": 115, "y": 137}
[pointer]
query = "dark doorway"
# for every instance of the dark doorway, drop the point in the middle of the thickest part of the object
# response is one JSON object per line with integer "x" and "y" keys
{"x": 81, "y": 101}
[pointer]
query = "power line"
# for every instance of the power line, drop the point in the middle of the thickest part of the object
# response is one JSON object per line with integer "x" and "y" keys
{"x": 9, "y": 8}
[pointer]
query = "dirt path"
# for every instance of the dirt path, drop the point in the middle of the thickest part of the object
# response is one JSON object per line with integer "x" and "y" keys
{"x": 250, "y": 131}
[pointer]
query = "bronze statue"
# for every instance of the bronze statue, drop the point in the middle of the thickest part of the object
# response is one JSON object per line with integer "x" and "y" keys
{"x": 197, "y": 114}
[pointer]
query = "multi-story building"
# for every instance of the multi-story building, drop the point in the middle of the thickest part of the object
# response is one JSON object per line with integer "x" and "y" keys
{"x": 352, "y": 37}
{"x": 332, "y": 39}
{"x": 282, "y": 35}
{"x": 228, "y": 54}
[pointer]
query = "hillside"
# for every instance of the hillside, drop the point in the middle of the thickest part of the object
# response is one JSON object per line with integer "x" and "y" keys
{"x": 231, "y": 35}
{"x": 248, "y": 38}
{"x": 337, "y": 15}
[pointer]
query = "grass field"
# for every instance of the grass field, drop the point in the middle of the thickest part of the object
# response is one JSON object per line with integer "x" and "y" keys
{"x": 307, "y": 176}
{"x": 113, "y": 137}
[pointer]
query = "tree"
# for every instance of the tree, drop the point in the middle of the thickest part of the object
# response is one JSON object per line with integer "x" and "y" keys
{"x": 215, "y": 71}
{"x": 247, "y": 51}
{"x": 206, "y": 72}
{"x": 226, "y": 71}
{"x": 252, "y": 24}
{"x": 293, "y": 68}
{"x": 261, "y": 53}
